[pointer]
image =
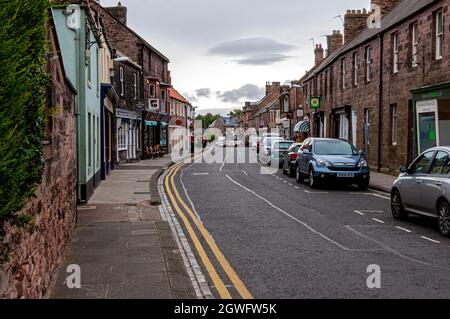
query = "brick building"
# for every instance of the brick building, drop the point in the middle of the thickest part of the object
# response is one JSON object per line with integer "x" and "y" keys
{"x": 385, "y": 89}
{"x": 180, "y": 112}
{"x": 154, "y": 81}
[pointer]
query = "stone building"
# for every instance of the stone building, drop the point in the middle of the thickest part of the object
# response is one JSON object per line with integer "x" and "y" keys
{"x": 180, "y": 112}
{"x": 386, "y": 89}
{"x": 37, "y": 250}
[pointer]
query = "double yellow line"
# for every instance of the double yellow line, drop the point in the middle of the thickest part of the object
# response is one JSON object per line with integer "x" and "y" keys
{"x": 176, "y": 201}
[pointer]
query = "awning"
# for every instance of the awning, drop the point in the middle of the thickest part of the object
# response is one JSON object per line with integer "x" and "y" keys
{"x": 302, "y": 127}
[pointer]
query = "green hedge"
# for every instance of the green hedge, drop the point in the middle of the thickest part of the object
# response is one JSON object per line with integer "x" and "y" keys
{"x": 23, "y": 83}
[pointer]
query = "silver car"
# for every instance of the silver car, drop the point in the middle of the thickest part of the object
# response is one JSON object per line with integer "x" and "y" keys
{"x": 424, "y": 188}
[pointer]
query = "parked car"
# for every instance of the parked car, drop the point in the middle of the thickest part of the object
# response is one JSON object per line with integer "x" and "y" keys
{"x": 263, "y": 138}
{"x": 278, "y": 151}
{"x": 323, "y": 160}
{"x": 424, "y": 188}
{"x": 290, "y": 159}
{"x": 266, "y": 147}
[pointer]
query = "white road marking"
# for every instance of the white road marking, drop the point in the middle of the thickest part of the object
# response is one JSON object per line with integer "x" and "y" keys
{"x": 404, "y": 229}
{"x": 80, "y": 208}
{"x": 429, "y": 239}
{"x": 393, "y": 251}
{"x": 221, "y": 167}
{"x": 309, "y": 192}
{"x": 289, "y": 215}
{"x": 359, "y": 213}
{"x": 378, "y": 221}
{"x": 290, "y": 184}
{"x": 380, "y": 196}
{"x": 371, "y": 194}
{"x": 297, "y": 187}
{"x": 200, "y": 174}
{"x": 245, "y": 172}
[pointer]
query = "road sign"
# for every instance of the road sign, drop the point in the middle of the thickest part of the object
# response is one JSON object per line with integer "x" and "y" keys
{"x": 315, "y": 102}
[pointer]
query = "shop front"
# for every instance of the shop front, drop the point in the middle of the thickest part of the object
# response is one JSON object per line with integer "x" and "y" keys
{"x": 432, "y": 117}
{"x": 155, "y": 132}
{"x": 127, "y": 135}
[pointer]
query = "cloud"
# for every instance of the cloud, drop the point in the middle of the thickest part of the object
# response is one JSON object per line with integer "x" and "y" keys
{"x": 198, "y": 94}
{"x": 248, "y": 91}
{"x": 253, "y": 51}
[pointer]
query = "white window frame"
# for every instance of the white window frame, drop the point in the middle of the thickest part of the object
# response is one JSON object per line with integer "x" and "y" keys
{"x": 344, "y": 72}
{"x": 394, "y": 124}
{"x": 135, "y": 86}
{"x": 395, "y": 52}
{"x": 368, "y": 64}
{"x": 122, "y": 84}
{"x": 439, "y": 34}
{"x": 355, "y": 68}
{"x": 414, "y": 44}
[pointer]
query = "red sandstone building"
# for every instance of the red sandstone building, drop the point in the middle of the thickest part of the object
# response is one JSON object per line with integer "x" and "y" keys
{"x": 385, "y": 89}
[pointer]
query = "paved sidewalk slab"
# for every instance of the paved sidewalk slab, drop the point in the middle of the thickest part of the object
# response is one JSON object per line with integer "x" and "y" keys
{"x": 382, "y": 182}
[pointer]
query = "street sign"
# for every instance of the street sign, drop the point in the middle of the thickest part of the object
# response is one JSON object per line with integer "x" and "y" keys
{"x": 315, "y": 102}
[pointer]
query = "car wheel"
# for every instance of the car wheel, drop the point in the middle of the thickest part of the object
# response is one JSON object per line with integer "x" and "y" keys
{"x": 444, "y": 218}
{"x": 397, "y": 206}
{"x": 291, "y": 171}
{"x": 313, "y": 183}
{"x": 298, "y": 176}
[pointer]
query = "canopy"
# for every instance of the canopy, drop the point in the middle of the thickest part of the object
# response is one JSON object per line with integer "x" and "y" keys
{"x": 302, "y": 127}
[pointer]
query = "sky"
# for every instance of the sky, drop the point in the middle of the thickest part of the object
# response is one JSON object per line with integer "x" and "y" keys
{"x": 222, "y": 52}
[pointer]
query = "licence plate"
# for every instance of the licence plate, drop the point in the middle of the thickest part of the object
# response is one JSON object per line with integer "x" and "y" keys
{"x": 346, "y": 175}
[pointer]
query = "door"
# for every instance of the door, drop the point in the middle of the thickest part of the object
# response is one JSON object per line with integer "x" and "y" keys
{"x": 412, "y": 187}
{"x": 433, "y": 182}
{"x": 304, "y": 158}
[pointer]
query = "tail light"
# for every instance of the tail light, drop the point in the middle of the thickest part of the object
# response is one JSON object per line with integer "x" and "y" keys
{"x": 293, "y": 156}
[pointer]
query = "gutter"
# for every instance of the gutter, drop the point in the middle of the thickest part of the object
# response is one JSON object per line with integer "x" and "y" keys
{"x": 380, "y": 97}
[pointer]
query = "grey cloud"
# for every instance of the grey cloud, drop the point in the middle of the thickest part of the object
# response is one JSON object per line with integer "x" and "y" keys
{"x": 250, "y": 46}
{"x": 266, "y": 59}
{"x": 248, "y": 91}
{"x": 253, "y": 51}
{"x": 198, "y": 94}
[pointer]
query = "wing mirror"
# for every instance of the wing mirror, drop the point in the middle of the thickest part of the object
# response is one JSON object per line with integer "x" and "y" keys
{"x": 404, "y": 170}
{"x": 362, "y": 153}
{"x": 306, "y": 151}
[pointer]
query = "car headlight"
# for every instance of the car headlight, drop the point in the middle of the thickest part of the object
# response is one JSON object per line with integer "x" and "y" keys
{"x": 322, "y": 162}
{"x": 363, "y": 163}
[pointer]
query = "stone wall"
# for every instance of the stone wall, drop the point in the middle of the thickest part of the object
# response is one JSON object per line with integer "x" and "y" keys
{"x": 37, "y": 249}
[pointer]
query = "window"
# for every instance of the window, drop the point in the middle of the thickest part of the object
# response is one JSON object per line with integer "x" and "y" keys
{"x": 414, "y": 45}
{"x": 122, "y": 83}
{"x": 441, "y": 163}
{"x": 439, "y": 31}
{"x": 394, "y": 124}
{"x": 135, "y": 86}
{"x": 355, "y": 68}
{"x": 368, "y": 64}
{"x": 422, "y": 164}
{"x": 343, "y": 126}
{"x": 90, "y": 140}
{"x": 152, "y": 90}
{"x": 343, "y": 72}
{"x": 395, "y": 52}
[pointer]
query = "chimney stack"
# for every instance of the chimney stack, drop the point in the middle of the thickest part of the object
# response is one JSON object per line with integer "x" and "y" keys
{"x": 319, "y": 54}
{"x": 385, "y": 5}
{"x": 120, "y": 12}
{"x": 268, "y": 88}
{"x": 355, "y": 21}
{"x": 335, "y": 41}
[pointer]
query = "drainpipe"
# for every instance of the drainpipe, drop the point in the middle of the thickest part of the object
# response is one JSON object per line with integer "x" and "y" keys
{"x": 380, "y": 97}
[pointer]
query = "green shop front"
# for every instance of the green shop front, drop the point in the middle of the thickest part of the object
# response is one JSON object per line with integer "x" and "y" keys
{"x": 432, "y": 116}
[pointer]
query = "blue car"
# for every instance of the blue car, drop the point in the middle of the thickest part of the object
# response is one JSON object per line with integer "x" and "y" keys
{"x": 323, "y": 161}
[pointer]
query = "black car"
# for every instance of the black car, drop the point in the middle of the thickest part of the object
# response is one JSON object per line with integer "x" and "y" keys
{"x": 290, "y": 159}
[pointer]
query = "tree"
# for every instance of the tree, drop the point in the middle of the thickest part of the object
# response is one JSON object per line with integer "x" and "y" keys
{"x": 235, "y": 113}
{"x": 207, "y": 119}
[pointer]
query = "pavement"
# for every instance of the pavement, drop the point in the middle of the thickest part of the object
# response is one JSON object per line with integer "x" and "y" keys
{"x": 381, "y": 182}
{"x": 123, "y": 248}
{"x": 285, "y": 240}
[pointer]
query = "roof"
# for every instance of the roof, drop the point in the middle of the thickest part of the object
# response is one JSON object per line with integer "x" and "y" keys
{"x": 174, "y": 94}
{"x": 402, "y": 11}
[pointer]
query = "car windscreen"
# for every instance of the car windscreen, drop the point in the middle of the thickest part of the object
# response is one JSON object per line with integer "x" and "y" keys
{"x": 334, "y": 148}
{"x": 269, "y": 141}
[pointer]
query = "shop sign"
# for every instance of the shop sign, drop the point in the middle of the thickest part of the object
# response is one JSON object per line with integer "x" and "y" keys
{"x": 126, "y": 114}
